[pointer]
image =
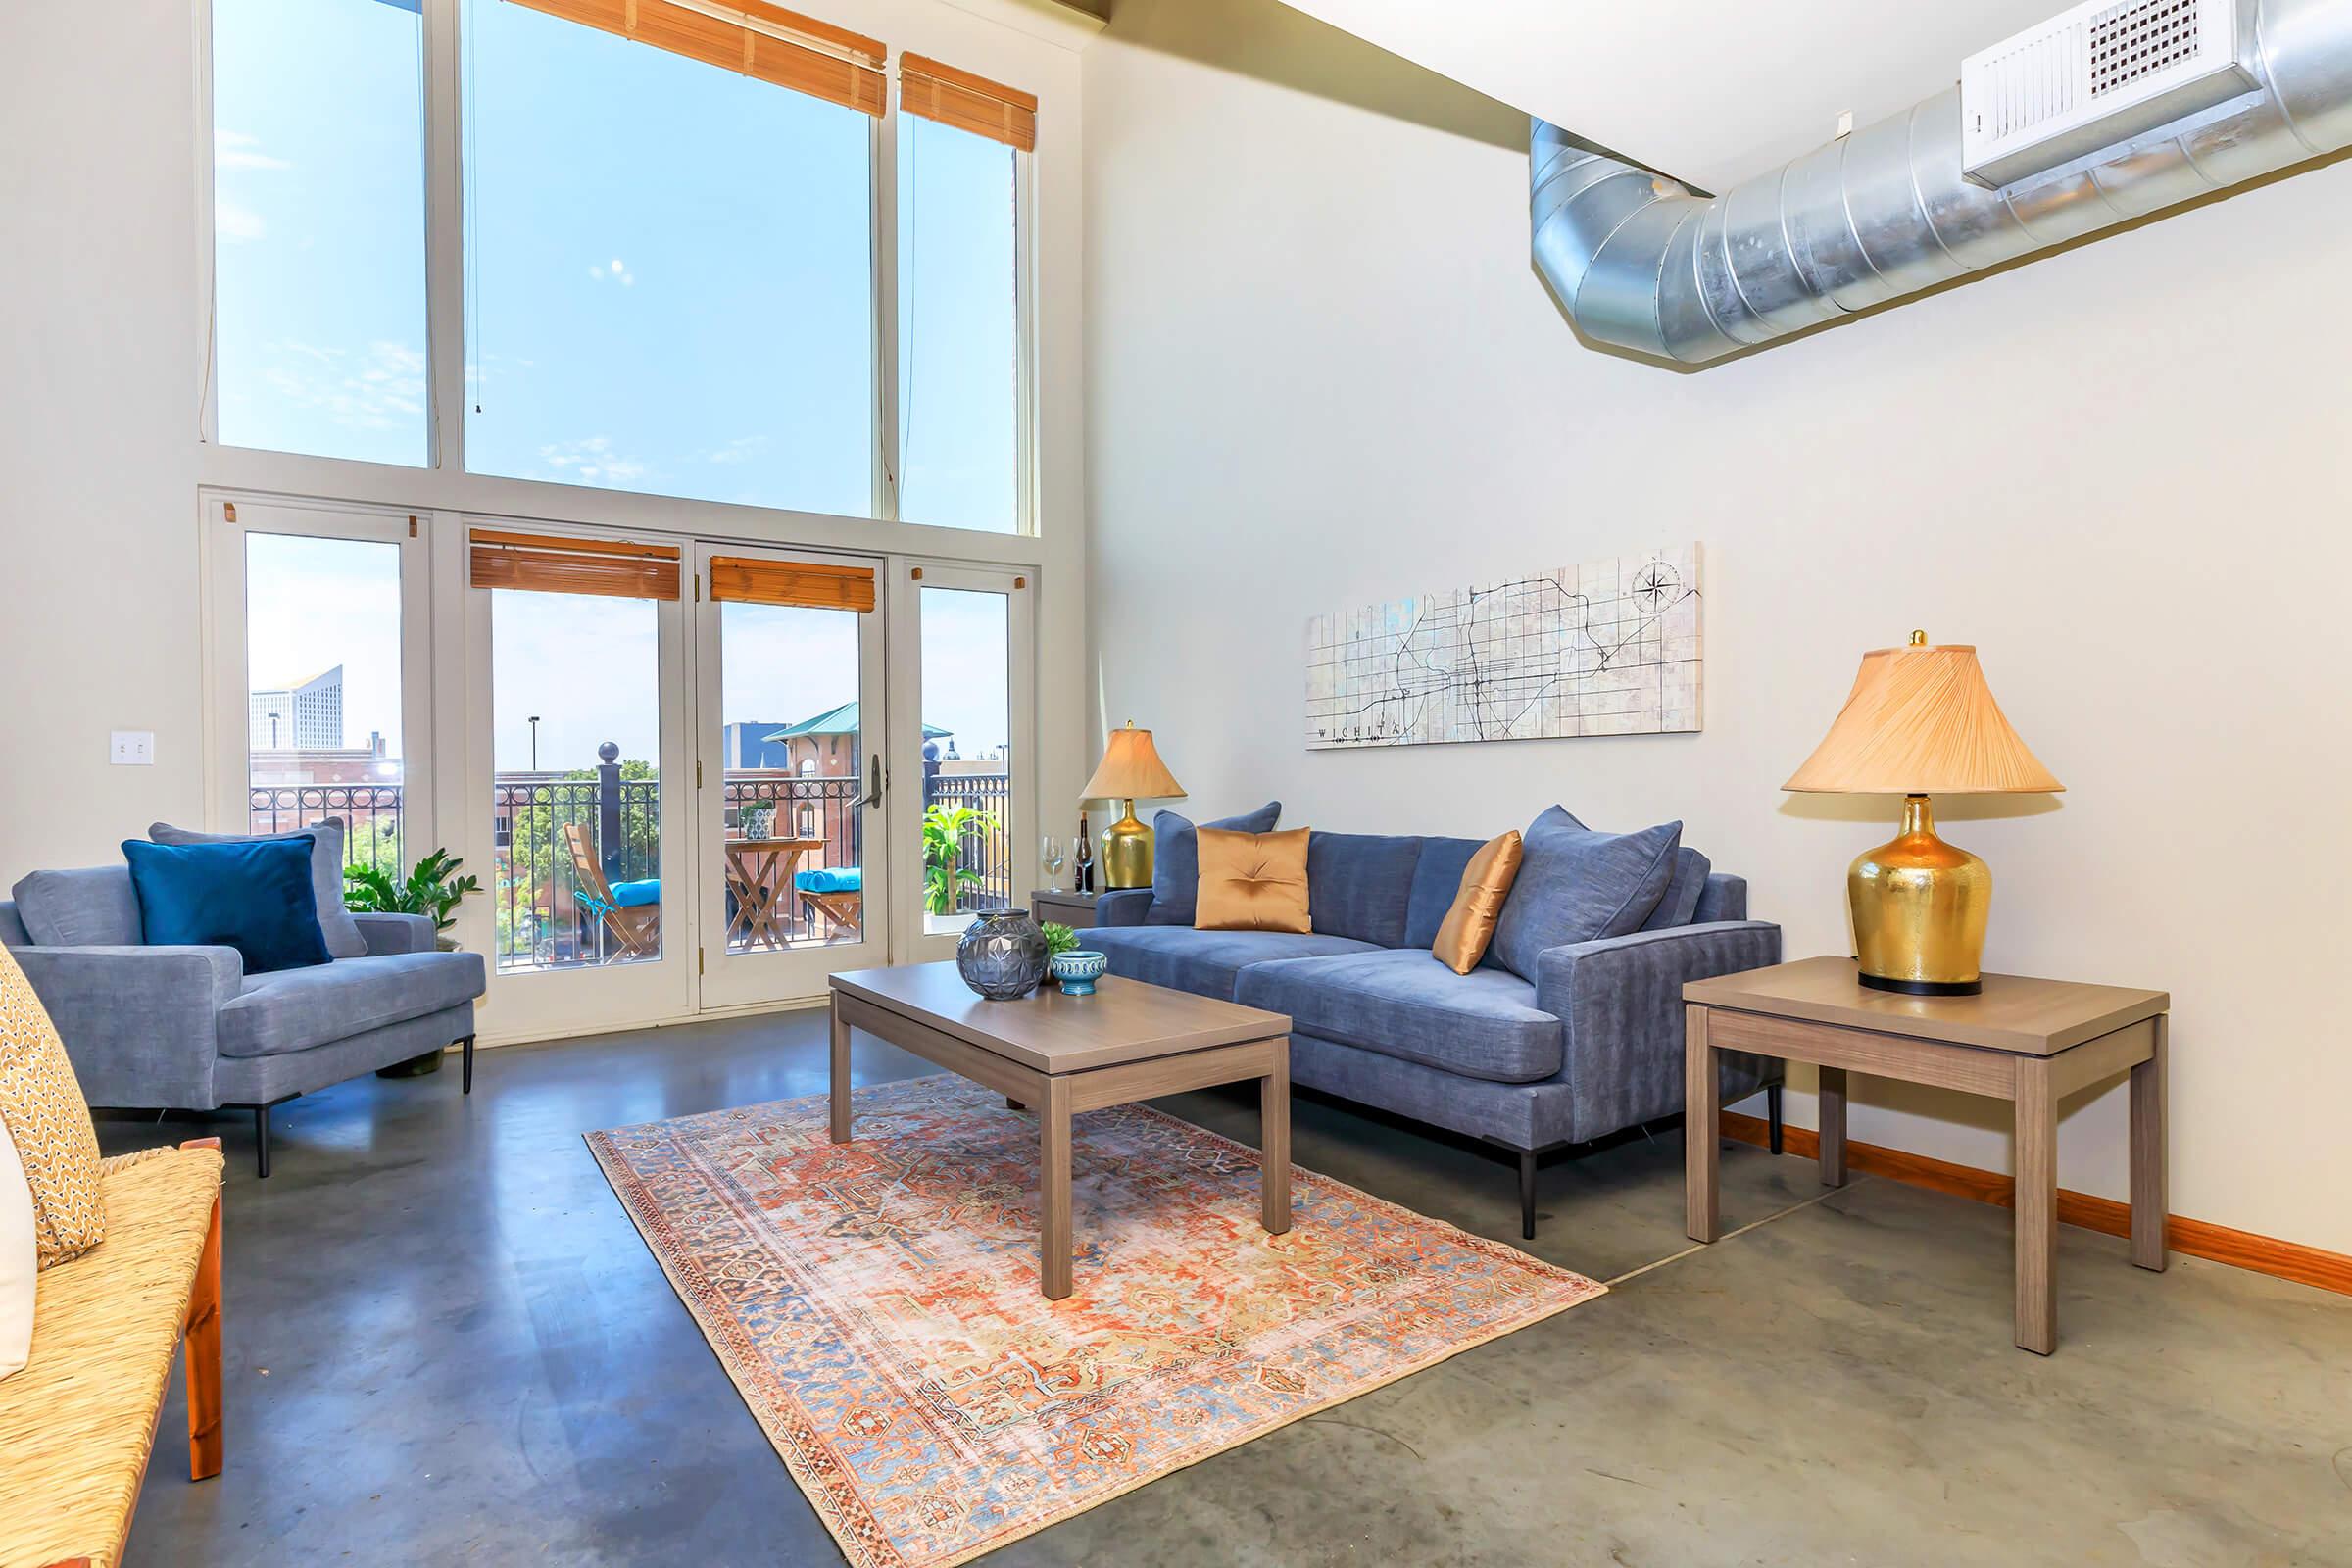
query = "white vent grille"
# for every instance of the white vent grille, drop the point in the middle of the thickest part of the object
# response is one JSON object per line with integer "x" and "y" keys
{"x": 2097, "y": 76}
{"x": 2128, "y": 41}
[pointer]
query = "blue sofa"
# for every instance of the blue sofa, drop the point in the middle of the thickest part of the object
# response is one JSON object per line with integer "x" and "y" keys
{"x": 185, "y": 1028}
{"x": 1591, "y": 1046}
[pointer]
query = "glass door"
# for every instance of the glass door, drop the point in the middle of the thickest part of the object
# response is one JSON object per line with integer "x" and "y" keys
{"x": 578, "y": 747}
{"x": 792, "y": 769}
{"x": 970, "y": 715}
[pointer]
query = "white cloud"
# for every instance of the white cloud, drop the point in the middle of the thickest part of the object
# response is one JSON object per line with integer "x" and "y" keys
{"x": 740, "y": 450}
{"x": 614, "y": 270}
{"x": 237, "y": 224}
{"x": 591, "y": 461}
{"x": 235, "y": 149}
{"x": 382, "y": 389}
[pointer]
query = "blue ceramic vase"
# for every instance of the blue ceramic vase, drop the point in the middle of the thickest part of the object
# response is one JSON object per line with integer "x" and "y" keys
{"x": 1078, "y": 970}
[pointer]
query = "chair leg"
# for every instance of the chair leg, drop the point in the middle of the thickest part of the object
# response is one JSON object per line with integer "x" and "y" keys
{"x": 261, "y": 1136}
{"x": 202, "y": 1333}
{"x": 1527, "y": 1195}
{"x": 466, "y": 1069}
{"x": 1772, "y": 1111}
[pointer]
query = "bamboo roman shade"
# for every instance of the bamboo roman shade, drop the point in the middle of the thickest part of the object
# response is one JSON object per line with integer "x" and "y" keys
{"x": 548, "y": 563}
{"x": 749, "y": 581}
{"x": 968, "y": 102}
{"x": 755, "y": 38}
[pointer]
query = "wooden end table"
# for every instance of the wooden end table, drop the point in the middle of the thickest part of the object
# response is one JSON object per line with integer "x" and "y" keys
{"x": 1063, "y": 1055}
{"x": 1073, "y": 910}
{"x": 2028, "y": 1042}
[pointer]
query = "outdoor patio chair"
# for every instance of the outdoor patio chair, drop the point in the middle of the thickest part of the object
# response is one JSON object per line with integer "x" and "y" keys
{"x": 628, "y": 914}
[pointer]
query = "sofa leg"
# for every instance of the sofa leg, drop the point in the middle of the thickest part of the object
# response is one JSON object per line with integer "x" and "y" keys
{"x": 1527, "y": 1195}
{"x": 261, "y": 1136}
{"x": 466, "y": 1069}
{"x": 1772, "y": 1113}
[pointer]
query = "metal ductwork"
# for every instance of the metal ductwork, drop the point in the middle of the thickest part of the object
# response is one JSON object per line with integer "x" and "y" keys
{"x": 1640, "y": 262}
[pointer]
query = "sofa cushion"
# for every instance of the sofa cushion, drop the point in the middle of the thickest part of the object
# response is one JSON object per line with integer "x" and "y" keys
{"x": 254, "y": 895}
{"x": 295, "y": 1009}
{"x": 1681, "y": 899}
{"x": 1576, "y": 885}
{"x": 1176, "y": 859}
{"x": 1405, "y": 1003}
{"x": 91, "y": 907}
{"x": 1360, "y": 885}
{"x": 1206, "y": 962}
{"x": 326, "y": 843}
{"x": 1436, "y": 878}
{"x": 1251, "y": 881}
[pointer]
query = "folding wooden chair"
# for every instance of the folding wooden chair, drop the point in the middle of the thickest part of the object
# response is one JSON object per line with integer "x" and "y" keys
{"x": 637, "y": 927}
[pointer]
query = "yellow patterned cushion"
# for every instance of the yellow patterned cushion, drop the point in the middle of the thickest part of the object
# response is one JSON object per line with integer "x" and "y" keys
{"x": 40, "y": 1101}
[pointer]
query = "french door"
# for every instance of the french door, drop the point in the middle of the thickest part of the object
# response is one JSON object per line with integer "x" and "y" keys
{"x": 793, "y": 771}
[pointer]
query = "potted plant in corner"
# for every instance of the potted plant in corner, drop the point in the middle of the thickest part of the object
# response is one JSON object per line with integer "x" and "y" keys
{"x": 432, "y": 888}
{"x": 758, "y": 819}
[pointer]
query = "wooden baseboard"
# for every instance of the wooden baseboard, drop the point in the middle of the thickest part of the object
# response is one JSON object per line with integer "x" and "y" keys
{"x": 2263, "y": 1255}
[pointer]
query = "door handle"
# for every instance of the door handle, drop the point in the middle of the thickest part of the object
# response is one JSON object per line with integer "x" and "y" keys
{"x": 873, "y": 788}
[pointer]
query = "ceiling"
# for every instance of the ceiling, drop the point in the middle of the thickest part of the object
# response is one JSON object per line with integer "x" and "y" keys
{"x": 1711, "y": 91}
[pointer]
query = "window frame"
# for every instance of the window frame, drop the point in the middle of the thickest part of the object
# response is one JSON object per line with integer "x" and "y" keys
{"x": 452, "y": 486}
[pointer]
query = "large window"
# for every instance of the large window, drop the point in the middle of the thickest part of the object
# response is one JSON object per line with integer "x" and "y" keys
{"x": 318, "y": 333}
{"x": 958, "y": 328}
{"x": 669, "y": 273}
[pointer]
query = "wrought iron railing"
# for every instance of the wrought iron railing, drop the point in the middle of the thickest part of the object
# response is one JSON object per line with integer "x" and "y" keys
{"x": 987, "y": 850}
{"x": 370, "y": 813}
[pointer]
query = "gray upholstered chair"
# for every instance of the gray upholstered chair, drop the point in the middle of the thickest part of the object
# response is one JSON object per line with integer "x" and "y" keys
{"x": 187, "y": 1029}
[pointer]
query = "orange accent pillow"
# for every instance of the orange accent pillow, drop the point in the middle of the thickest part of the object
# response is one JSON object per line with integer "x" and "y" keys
{"x": 1470, "y": 925}
{"x": 1251, "y": 881}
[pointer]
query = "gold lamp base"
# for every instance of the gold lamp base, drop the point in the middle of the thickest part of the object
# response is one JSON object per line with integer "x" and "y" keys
{"x": 1127, "y": 851}
{"x": 1920, "y": 907}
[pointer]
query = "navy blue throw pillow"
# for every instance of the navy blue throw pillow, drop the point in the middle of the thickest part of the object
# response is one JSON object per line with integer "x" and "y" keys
{"x": 253, "y": 895}
{"x": 1176, "y": 859}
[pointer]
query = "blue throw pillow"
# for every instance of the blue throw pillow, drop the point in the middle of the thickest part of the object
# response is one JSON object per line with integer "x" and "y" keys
{"x": 1176, "y": 859}
{"x": 253, "y": 895}
{"x": 1576, "y": 885}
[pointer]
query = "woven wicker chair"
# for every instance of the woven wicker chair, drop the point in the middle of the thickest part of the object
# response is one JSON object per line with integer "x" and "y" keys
{"x": 78, "y": 1423}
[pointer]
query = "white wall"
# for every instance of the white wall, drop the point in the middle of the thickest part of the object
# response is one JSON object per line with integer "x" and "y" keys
{"x": 101, "y": 303}
{"x": 1321, "y": 373}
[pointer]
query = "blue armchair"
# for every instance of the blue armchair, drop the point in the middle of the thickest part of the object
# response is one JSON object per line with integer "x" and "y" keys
{"x": 185, "y": 1028}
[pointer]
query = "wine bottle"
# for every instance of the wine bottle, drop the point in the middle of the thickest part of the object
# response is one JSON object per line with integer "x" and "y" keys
{"x": 1085, "y": 876}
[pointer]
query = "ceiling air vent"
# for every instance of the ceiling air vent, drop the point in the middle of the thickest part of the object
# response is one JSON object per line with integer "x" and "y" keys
{"x": 2094, "y": 78}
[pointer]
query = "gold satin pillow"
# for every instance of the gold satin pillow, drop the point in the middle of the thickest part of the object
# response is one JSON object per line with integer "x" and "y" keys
{"x": 1251, "y": 881}
{"x": 1470, "y": 925}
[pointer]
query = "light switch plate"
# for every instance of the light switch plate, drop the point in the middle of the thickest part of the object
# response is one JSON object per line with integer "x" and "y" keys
{"x": 133, "y": 748}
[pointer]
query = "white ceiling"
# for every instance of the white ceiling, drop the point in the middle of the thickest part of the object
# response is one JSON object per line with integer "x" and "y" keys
{"x": 1711, "y": 91}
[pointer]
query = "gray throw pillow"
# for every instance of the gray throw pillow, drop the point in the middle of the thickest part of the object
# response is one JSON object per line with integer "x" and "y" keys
{"x": 342, "y": 932}
{"x": 1176, "y": 859}
{"x": 92, "y": 907}
{"x": 1575, "y": 885}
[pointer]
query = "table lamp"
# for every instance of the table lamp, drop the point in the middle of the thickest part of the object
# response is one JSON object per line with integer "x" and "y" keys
{"x": 1131, "y": 768}
{"x": 1920, "y": 721}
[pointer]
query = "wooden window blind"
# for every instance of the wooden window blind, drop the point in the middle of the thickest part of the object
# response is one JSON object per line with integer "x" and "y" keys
{"x": 791, "y": 582}
{"x": 750, "y": 36}
{"x": 968, "y": 102}
{"x": 548, "y": 563}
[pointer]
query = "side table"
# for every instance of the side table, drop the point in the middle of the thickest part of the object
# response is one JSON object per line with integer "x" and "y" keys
{"x": 1073, "y": 910}
{"x": 2029, "y": 1041}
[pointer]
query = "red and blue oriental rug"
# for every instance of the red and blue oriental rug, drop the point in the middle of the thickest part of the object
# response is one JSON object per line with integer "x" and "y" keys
{"x": 877, "y": 1302}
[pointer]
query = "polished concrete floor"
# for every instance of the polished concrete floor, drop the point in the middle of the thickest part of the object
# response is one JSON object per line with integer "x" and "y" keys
{"x": 446, "y": 1344}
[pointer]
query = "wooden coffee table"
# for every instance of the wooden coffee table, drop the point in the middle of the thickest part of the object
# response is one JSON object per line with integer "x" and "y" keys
{"x": 1063, "y": 1055}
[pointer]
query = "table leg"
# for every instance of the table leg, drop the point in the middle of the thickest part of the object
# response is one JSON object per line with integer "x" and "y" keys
{"x": 1274, "y": 1146}
{"x": 2036, "y": 1207}
{"x": 1832, "y": 1096}
{"x": 1054, "y": 1190}
{"x": 1702, "y": 1096}
{"x": 2149, "y": 1198}
{"x": 840, "y": 1095}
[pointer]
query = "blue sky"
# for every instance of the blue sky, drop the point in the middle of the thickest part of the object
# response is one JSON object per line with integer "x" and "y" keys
{"x": 667, "y": 272}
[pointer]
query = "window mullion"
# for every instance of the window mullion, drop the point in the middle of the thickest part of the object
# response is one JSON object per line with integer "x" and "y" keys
{"x": 444, "y": 238}
{"x": 886, "y": 317}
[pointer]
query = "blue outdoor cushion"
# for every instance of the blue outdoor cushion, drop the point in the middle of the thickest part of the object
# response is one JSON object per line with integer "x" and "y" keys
{"x": 1206, "y": 962}
{"x": 1576, "y": 885}
{"x": 633, "y": 895}
{"x": 253, "y": 895}
{"x": 1176, "y": 860}
{"x": 1406, "y": 1004}
{"x": 1359, "y": 884}
{"x": 831, "y": 879}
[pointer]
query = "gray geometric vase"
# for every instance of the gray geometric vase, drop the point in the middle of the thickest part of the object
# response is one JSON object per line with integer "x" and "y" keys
{"x": 1003, "y": 955}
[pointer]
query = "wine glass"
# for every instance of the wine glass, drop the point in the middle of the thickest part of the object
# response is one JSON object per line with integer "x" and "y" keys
{"x": 1050, "y": 858}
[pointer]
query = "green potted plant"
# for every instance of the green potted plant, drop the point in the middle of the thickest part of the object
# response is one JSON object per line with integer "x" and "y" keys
{"x": 945, "y": 876}
{"x": 433, "y": 889}
{"x": 758, "y": 818}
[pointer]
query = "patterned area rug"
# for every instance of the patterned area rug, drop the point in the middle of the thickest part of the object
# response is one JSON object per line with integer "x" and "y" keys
{"x": 877, "y": 1302}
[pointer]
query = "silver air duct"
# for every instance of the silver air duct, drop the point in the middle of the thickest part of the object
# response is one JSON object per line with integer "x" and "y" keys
{"x": 1640, "y": 263}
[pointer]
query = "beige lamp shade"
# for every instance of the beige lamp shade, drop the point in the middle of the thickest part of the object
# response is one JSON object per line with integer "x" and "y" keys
{"x": 1921, "y": 721}
{"x": 1131, "y": 768}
